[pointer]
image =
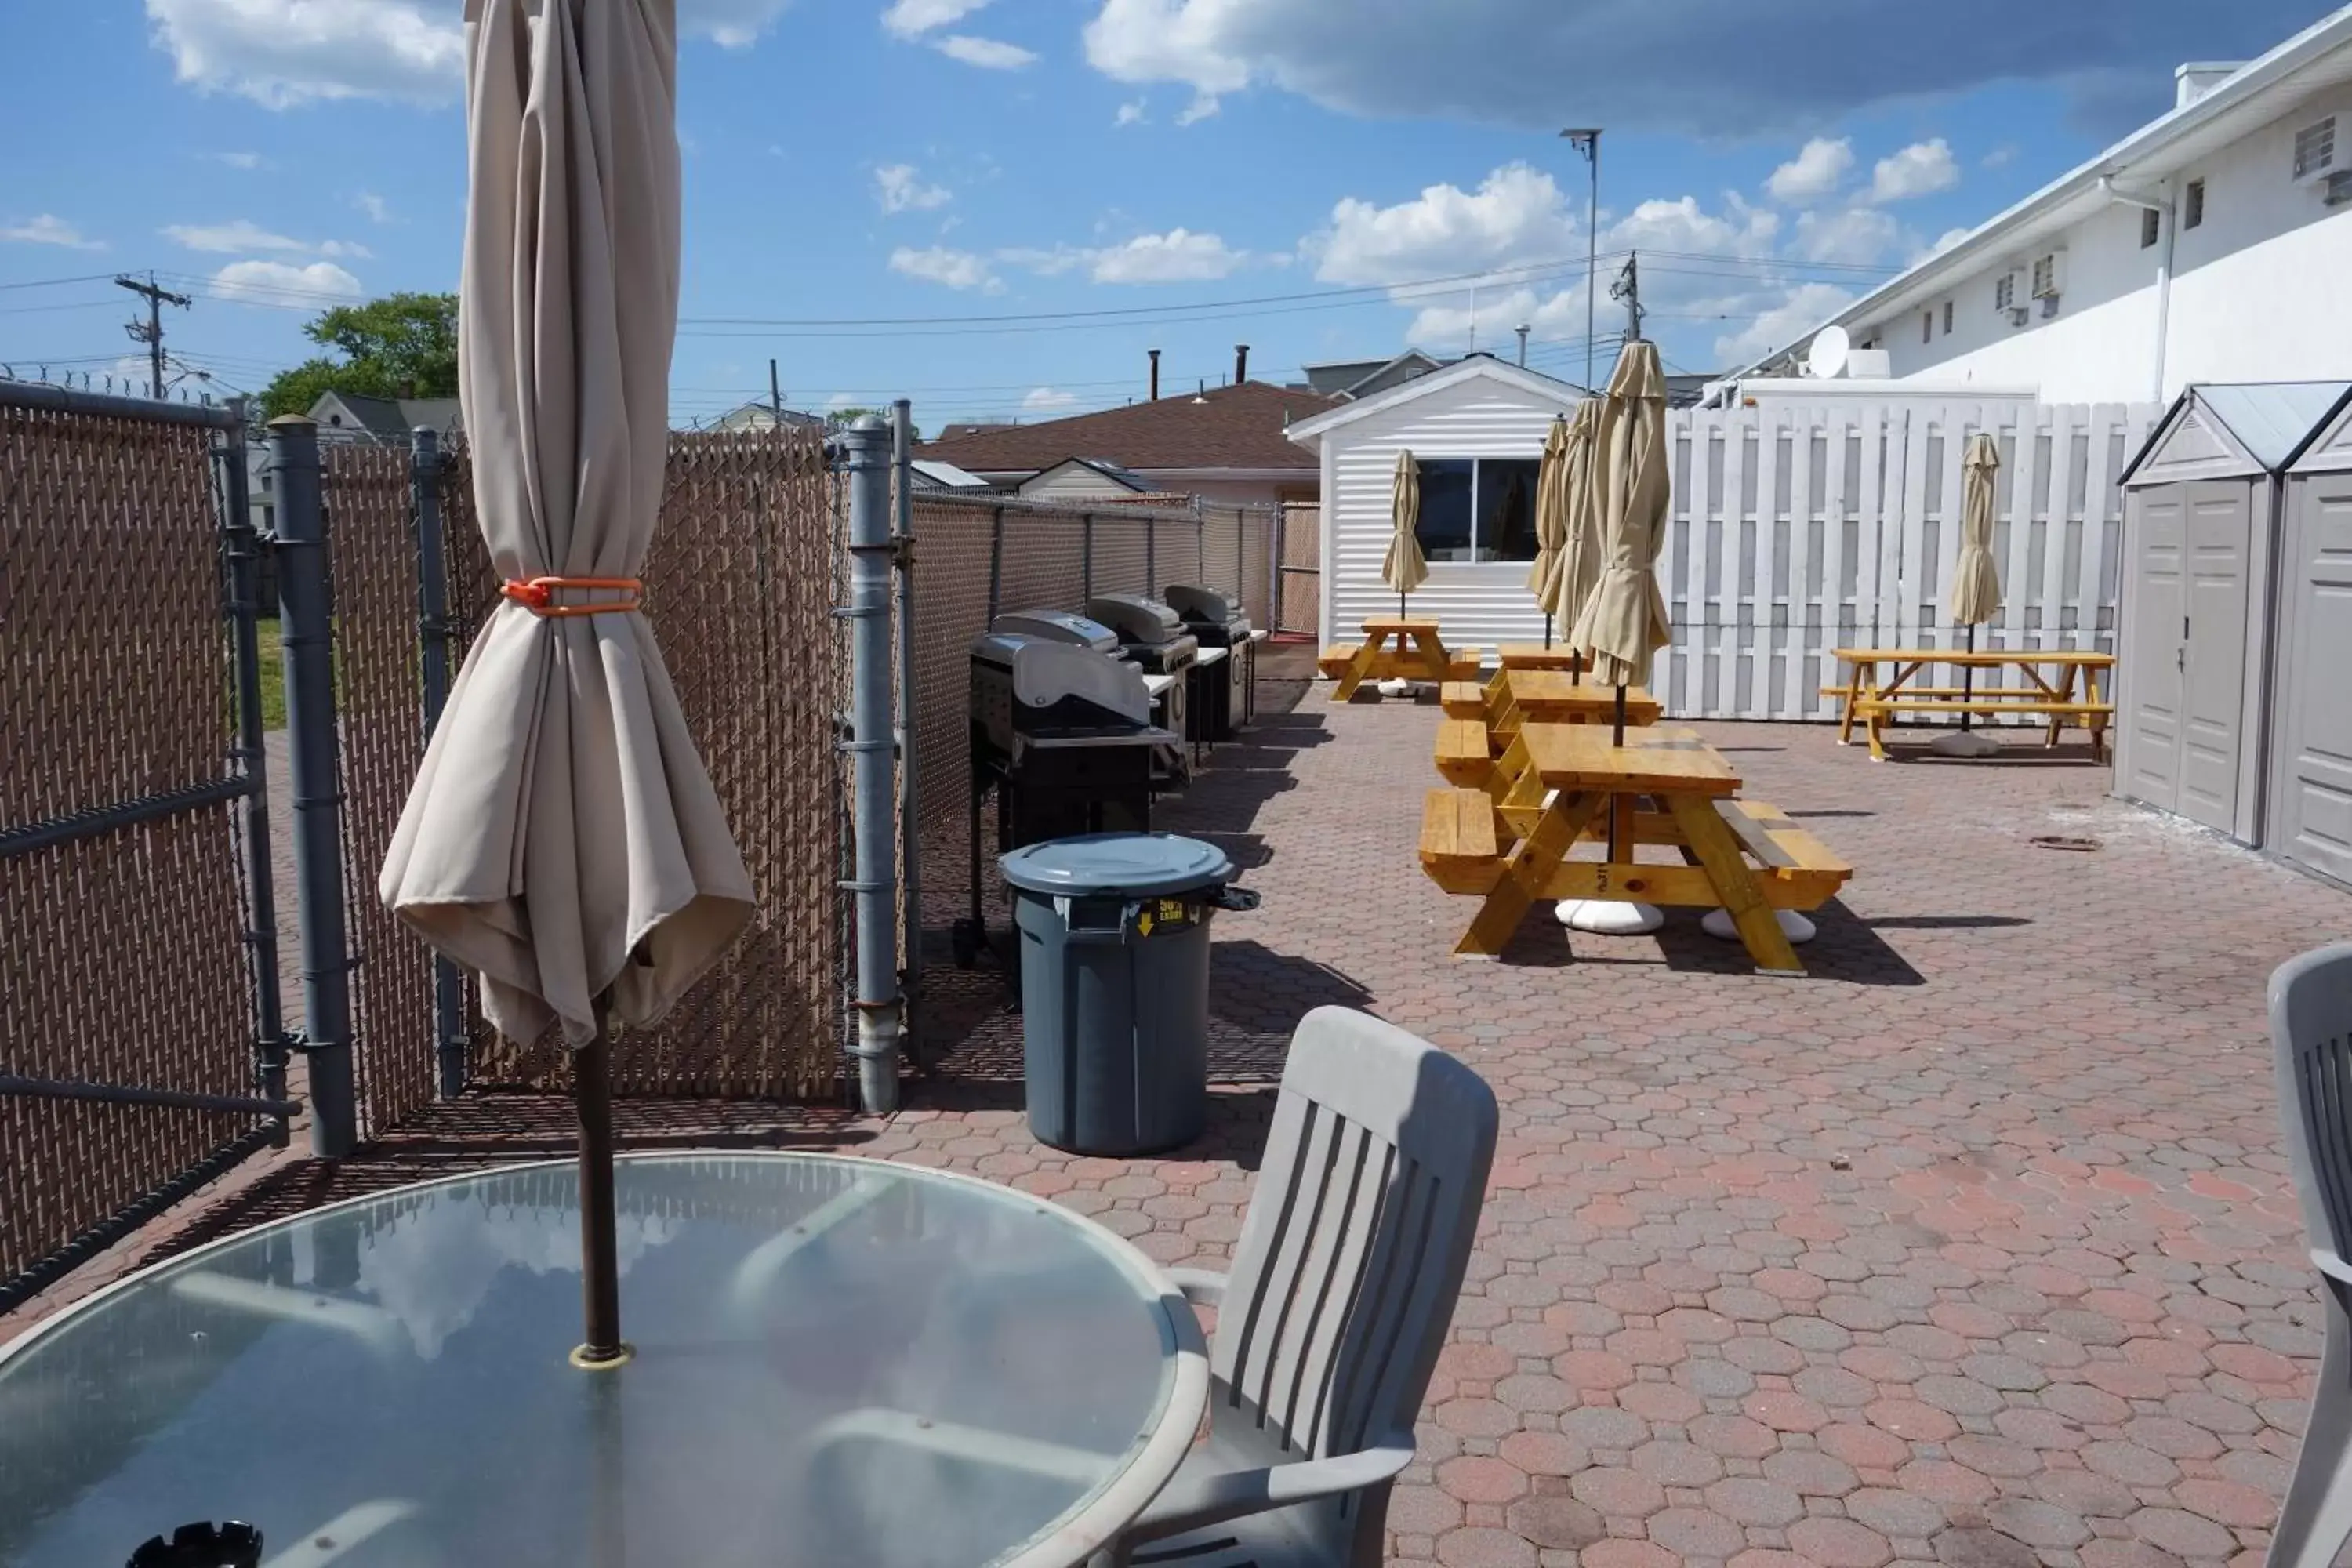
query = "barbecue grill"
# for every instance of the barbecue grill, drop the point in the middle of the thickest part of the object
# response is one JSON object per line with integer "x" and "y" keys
{"x": 1153, "y": 636}
{"x": 1062, "y": 732}
{"x": 1225, "y": 679}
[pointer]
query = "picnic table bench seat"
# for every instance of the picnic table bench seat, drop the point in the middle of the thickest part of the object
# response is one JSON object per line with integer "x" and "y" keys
{"x": 1464, "y": 699}
{"x": 1465, "y": 753}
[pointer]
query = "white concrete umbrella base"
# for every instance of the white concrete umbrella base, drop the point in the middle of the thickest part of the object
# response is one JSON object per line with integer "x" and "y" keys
{"x": 1608, "y": 917}
{"x": 1964, "y": 743}
{"x": 1396, "y": 688}
{"x": 1794, "y": 926}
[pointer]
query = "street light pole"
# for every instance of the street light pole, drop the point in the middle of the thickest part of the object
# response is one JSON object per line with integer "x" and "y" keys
{"x": 1587, "y": 141}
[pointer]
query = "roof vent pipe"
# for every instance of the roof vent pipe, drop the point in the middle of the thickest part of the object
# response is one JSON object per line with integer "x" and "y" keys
{"x": 1155, "y": 374}
{"x": 1241, "y": 364}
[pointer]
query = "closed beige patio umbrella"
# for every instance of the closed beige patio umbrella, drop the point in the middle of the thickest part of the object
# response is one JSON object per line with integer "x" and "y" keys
{"x": 1975, "y": 581}
{"x": 563, "y": 839}
{"x": 1551, "y": 518}
{"x": 1576, "y": 566}
{"x": 1402, "y": 567}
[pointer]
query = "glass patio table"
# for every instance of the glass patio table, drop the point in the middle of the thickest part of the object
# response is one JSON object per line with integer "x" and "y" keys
{"x": 837, "y": 1361}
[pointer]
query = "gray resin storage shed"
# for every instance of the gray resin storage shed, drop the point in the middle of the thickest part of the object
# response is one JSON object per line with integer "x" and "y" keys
{"x": 2310, "y": 728}
{"x": 2201, "y": 643}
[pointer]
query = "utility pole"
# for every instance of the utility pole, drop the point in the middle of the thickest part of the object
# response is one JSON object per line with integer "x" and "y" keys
{"x": 1587, "y": 141}
{"x": 150, "y": 330}
{"x": 775, "y": 394}
{"x": 1628, "y": 288}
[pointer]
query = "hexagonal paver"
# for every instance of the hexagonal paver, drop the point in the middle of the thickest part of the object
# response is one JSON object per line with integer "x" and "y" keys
{"x": 1839, "y": 1543}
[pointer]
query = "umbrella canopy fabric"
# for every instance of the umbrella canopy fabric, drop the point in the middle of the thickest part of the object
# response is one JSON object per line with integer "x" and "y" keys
{"x": 1625, "y": 621}
{"x": 1976, "y": 582}
{"x": 562, "y": 839}
{"x": 1402, "y": 567}
{"x": 1551, "y": 514}
{"x": 1577, "y": 564}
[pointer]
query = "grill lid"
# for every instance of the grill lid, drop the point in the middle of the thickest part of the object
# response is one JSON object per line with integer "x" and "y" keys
{"x": 1136, "y": 617}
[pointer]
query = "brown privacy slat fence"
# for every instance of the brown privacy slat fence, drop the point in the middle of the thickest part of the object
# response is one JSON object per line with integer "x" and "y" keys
{"x": 124, "y": 955}
{"x": 739, "y": 589}
{"x": 1299, "y": 551}
{"x": 975, "y": 556}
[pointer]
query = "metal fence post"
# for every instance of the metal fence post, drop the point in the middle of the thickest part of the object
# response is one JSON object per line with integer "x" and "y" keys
{"x": 307, "y": 625}
{"x": 1086, "y": 557}
{"x": 1150, "y": 552}
{"x": 241, "y": 548}
{"x": 875, "y": 881}
{"x": 449, "y": 1040}
{"x": 995, "y": 564}
{"x": 910, "y": 844}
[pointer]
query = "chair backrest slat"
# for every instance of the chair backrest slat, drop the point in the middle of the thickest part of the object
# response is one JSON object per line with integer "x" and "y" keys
{"x": 1346, "y": 1268}
{"x": 2311, "y": 1032}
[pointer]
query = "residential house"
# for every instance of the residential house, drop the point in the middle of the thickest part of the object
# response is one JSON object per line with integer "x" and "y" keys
{"x": 1223, "y": 444}
{"x": 930, "y": 473}
{"x": 1363, "y": 378}
{"x": 758, "y": 415}
{"x": 351, "y": 417}
{"x": 1086, "y": 479}
{"x": 1477, "y": 430}
{"x": 2210, "y": 246}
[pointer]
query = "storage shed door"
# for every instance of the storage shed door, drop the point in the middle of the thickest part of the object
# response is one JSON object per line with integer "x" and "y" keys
{"x": 2154, "y": 651}
{"x": 2220, "y": 530}
{"x": 2313, "y": 732}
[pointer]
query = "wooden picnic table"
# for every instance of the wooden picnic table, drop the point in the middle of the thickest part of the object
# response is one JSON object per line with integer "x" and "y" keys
{"x": 1481, "y": 720}
{"x": 1418, "y": 653}
{"x": 1866, "y": 697}
{"x": 1662, "y": 786}
{"x": 1535, "y": 656}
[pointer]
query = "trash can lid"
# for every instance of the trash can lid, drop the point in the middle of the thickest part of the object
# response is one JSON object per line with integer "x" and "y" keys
{"x": 1142, "y": 863}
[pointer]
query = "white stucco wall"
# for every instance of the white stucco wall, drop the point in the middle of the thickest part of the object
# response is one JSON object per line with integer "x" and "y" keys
{"x": 1483, "y": 602}
{"x": 2258, "y": 289}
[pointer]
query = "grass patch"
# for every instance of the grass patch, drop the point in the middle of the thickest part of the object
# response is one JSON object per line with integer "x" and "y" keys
{"x": 273, "y": 675}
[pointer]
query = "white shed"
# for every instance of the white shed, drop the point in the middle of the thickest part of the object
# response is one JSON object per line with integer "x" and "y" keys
{"x": 1476, "y": 428}
{"x": 2311, "y": 723}
{"x": 2203, "y": 510}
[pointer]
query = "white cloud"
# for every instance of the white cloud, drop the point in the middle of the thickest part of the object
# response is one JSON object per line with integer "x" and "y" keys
{"x": 1921, "y": 169}
{"x": 1043, "y": 399}
{"x": 247, "y": 161}
{"x": 282, "y": 53}
{"x": 1862, "y": 235}
{"x": 1178, "y": 256}
{"x": 1999, "y": 156}
{"x": 899, "y": 188}
{"x": 1204, "y": 105}
{"x": 1130, "y": 114}
{"x": 938, "y": 264}
{"x": 282, "y": 283}
{"x": 1682, "y": 66}
{"x": 1945, "y": 240}
{"x": 1515, "y": 214}
{"x": 243, "y": 235}
{"x": 47, "y": 228}
{"x": 730, "y": 24}
{"x": 913, "y": 18}
{"x": 989, "y": 54}
{"x": 377, "y": 209}
{"x": 1798, "y": 313}
{"x": 1813, "y": 172}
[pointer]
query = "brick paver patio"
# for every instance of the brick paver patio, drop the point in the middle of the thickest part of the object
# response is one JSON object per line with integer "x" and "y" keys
{"x": 1975, "y": 1247}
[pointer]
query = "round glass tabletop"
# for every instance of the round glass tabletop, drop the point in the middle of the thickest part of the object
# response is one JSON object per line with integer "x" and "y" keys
{"x": 839, "y": 1361}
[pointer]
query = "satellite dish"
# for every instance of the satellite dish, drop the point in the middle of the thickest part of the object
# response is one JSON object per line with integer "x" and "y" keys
{"x": 1826, "y": 359}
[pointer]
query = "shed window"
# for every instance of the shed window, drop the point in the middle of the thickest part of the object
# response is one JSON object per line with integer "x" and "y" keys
{"x": 2193, "y": 205}
{"x": 1927, "y": 326}
{"x": 1477, "y": 508}
{"x": 2151, "y": 227}
{"x": 1947, "y": 318}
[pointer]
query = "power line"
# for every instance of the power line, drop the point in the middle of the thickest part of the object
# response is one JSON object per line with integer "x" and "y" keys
{"x": 56, "y": 282}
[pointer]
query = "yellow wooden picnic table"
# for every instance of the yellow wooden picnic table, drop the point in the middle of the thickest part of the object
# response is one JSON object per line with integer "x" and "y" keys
{"x": 1866, "y": 697}
{"x": 1419, "y": 654}
{"x": 1481, "y": 720}
{"x": 1575, "y": 776}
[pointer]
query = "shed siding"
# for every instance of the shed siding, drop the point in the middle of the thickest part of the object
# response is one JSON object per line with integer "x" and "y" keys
{"x": 1481, "y": 604}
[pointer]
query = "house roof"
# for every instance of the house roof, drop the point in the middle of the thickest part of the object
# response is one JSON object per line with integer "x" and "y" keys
{"x": 2269, "y": 423}
{"x": 1475, "y": 367}
{"x": 1226, "y": 427}
{"x": 2256, "y": 93}
{"x": 1340, "y": 378}
{"x": 932, "y": 473}
{"x": 1126, "y": 478}
{"x": 390, "y": 418}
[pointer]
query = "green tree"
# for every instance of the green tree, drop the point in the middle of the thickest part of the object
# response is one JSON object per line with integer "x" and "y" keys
{"x": 403, "y": 345}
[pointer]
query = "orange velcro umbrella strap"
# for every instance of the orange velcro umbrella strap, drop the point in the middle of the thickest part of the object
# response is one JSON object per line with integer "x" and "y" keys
{"x": 536, "y": 595}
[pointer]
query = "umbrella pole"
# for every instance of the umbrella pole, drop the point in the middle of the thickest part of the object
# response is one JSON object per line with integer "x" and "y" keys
{"x": 1546, "y": 629}
{"x": 1618, "y": 738}
{"x": 1967, "y": 681}
{"x": 600, "y": 1269}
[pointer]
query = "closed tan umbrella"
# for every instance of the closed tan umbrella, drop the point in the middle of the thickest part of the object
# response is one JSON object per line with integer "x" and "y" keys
{"x": 1625, "y": 621}
{"x": 1577, "y": 565}
{"x": 1551, "y": 518}
{"x": 1975, "y": 581}
{"x": 563, "y": 839}
{"x": 1402, "y": 567}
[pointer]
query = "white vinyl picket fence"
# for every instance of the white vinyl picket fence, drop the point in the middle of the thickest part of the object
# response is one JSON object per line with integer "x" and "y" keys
{"x": 1796, "y": 530}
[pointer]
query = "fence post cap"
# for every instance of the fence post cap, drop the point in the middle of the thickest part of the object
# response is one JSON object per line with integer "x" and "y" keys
{"x": 291, "y": 421}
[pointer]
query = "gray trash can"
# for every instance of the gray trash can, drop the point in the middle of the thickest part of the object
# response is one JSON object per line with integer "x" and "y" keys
{"x": 1114, "y": 932}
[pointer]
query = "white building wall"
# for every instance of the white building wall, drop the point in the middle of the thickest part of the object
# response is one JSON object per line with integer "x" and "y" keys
{"x": 2257, "y": 290}
{"x": 1481, "y": 602}
{"x": 1073, "y": 483}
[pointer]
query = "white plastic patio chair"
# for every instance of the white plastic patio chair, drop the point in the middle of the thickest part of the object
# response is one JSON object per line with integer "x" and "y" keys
{"x": 2311, "y": 1029}
{"x": 1329, "y": 1324}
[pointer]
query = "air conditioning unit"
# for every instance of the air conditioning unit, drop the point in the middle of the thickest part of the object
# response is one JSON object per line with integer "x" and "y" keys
{"x": 2049, "y": 275}
{"x": 2315, "y": 151}
{"x": 2339, "y": 187}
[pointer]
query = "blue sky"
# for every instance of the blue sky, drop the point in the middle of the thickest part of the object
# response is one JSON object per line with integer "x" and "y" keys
{"x": 1321, "y": 179}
